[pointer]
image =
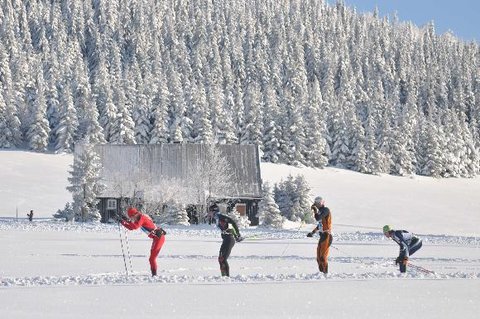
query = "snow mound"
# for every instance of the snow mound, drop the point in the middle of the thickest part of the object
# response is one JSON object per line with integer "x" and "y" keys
{"x": 141, "y": 278}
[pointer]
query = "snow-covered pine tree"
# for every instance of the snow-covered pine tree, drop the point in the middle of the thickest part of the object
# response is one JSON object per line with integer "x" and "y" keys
{"x": 138, "y": 98}
{"x": 251, "y": 133}
{"x": 159, "y": 111}
{"x": 123, "y": 127}
{"x": 302, "y": 199}
{"x": 282, "y": 199}
{"x": 315, "y": 128}
{"x": 175, "y": 214}
{"x": 176, "y": 108}
{"x": 87, "y": 112}
{"x": 292, "y": 197}
{"x": 37, "y": 134}
{"x": 86, "y": 184}
{"x": 227, "y": 48}
{"x": 202, "y": 131}
{"x": 10, "y": 133}
{"x": 271, "y": 129}
{"x": 67, "y": 124}
{"x": 229, "y": 104}
{"x": 268, "y": 211}
{"x": 429, "y": 155}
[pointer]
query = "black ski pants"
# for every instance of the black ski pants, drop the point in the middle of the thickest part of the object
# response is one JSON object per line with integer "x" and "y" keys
{"x": 225, "y": 250}
{"x": 415, "y": 245}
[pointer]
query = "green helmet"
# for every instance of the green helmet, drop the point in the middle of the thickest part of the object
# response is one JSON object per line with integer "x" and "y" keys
{"x": 387, "y": 228}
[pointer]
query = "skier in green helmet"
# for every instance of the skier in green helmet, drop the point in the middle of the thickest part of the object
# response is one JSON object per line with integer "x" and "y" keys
{"x": 408, "y": 243}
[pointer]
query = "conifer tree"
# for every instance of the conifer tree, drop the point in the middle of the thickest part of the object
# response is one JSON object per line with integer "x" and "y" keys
{"x": 10, "y": 133}
{"x": 176, "y": 74}
{"x": 159, "y": 116}
{"x": 86, "y": 184}
{"x": 268, "y": 211}
{"x": 292, "y": 197}
{"x": 315, "y": 128}
{"x": 87, "y": 113}
{"x": 122, "y": 131}
{"x": 175, "y": 214}
{"x": 67, "y": 125}
{"x": 38, "y": 132}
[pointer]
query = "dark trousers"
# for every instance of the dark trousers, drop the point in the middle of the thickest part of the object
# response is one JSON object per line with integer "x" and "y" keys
{"x": 415, "y": 245}
{"x": 225, "y": 250}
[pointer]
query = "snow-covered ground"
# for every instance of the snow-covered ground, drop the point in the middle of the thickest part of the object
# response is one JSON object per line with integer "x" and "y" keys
{"x": 49, "y": 269}
{"x": 359, "y": 202}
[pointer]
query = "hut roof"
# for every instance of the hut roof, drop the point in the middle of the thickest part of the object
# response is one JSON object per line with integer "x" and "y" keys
{"x": 127, "y": 168}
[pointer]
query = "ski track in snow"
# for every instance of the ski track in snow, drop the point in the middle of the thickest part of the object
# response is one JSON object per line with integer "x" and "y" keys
{"x": 252, "y": 236}
{"x": 133, "y": 279}
{"x": 347, "y": 260}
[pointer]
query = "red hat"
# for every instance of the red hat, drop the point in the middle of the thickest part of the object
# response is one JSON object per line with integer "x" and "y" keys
{"x": 132, "y": 211}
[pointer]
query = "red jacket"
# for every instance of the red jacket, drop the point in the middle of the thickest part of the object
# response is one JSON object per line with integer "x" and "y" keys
{"x": 145, "y": 222}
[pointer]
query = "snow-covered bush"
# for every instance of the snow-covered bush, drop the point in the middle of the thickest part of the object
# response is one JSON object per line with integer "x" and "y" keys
{"x": 66, "y": 213}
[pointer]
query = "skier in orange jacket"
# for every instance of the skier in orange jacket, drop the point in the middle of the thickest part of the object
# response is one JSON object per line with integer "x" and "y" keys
{"x": 324, "y": 227}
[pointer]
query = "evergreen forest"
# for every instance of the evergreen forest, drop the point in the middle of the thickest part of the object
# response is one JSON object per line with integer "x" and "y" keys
{"x": 311, "y": 83}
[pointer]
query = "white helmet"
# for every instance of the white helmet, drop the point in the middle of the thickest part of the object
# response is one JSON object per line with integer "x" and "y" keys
{"x": 319, "y": 200}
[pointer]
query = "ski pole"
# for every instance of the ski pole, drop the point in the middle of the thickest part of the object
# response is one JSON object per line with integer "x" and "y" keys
{"x": 358, "y": 259}
{"x": 128, "y": 251}
{"x": 123, "y": 250}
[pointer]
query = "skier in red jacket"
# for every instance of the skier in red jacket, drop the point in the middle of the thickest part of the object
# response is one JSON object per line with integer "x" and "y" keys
{"x": 143, "y": 221}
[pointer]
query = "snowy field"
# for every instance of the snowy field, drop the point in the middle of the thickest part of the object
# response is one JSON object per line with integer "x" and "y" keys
{"x": 50, "y": 269}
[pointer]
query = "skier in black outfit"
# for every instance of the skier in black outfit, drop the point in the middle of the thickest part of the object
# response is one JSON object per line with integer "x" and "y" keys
{"x": 408, "y": 243}
{"x": 230, "y": 235}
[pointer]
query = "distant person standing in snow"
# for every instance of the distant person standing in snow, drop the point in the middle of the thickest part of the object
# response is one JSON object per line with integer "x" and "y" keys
{"x": 30, "y": 215}
{"x": 230, "y": 235}
{"x": 324, "y": 227}
{"x": 138, "y": 220}
{"x": 408, "y": 243}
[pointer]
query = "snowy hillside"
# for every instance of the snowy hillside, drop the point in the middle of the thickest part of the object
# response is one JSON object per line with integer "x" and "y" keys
{"x": 359, "y": 202}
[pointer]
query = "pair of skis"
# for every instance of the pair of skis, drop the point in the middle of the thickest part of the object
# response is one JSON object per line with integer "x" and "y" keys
{"x": 421, "y": 269}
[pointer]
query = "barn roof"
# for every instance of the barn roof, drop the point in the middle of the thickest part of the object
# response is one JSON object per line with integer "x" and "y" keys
{"x": 160, "y": 162}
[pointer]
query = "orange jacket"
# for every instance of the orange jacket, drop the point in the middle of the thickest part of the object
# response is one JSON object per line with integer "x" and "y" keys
{"x": 323, "y": 217}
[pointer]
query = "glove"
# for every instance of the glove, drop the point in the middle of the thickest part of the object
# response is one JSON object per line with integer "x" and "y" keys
{"x": 310, "y": 234}
{"x": 401, "y": 260}
{"x": 118, "y": 216}
{"x": 239, "y": 238}
{"x": 159, "y": 232}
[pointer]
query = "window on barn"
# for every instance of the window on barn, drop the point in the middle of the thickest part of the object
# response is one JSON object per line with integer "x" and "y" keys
{"x": 111, "y": 204}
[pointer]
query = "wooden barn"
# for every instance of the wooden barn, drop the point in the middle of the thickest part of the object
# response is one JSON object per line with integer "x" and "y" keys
{"x": 198, "y": 174}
